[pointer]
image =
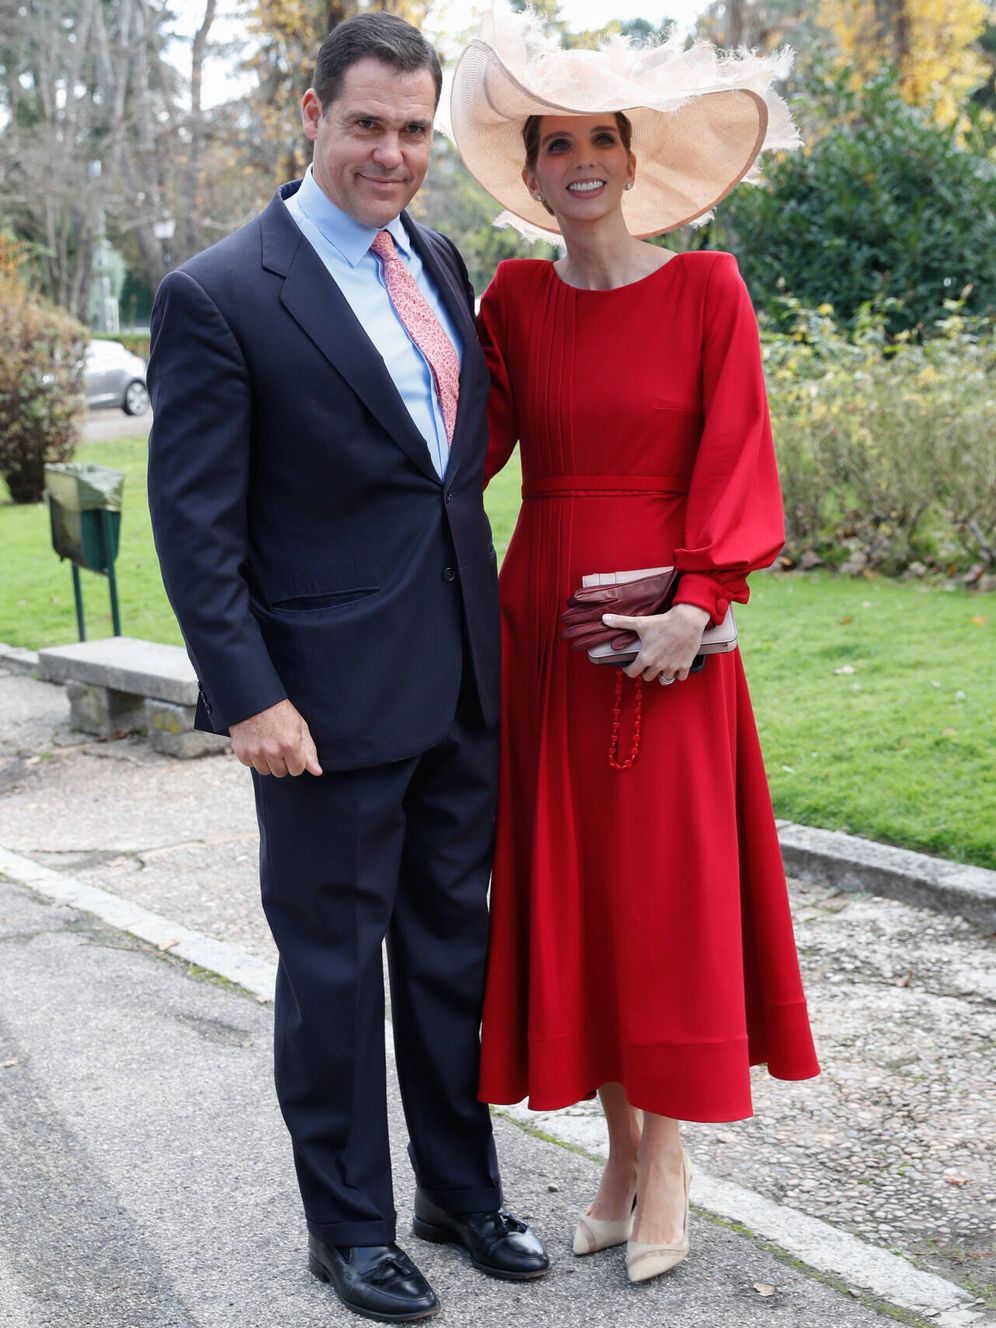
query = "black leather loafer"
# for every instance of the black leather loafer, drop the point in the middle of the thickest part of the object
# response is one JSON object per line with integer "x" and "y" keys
{"x": 379, "y": 1281}
{"x": 499, "y": 1244}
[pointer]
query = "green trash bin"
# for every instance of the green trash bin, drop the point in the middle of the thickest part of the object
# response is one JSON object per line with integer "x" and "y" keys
{"x": 84, "y": 507}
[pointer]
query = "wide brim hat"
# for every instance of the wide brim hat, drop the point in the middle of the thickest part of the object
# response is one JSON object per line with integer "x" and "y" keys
{"x": 700, "y": 117}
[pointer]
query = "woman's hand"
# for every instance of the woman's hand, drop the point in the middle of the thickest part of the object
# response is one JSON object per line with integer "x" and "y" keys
{"x": 669, "y": 641}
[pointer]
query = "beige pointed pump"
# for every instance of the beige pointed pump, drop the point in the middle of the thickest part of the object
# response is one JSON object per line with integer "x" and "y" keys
{"x": 646, "y": 1261}
{"x": 595, "y": 1233}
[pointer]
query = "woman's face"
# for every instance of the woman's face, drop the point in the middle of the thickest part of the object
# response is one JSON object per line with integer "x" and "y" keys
{"x": 581, "y": 166}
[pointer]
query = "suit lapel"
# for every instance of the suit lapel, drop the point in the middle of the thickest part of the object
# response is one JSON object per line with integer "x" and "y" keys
{"x": 449, "y": 284}
{"x": 316, "y": 303}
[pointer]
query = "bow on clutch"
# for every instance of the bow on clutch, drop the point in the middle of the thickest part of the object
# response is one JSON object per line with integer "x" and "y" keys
{"x": 583, "y": 627}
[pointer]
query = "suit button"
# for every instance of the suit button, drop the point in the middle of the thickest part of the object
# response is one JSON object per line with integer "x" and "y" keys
{"x": 449, "y": 495}
{"x": 449, "y": 574}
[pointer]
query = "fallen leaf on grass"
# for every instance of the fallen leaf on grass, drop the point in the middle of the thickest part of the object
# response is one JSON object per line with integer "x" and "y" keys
{"x": 845, "y": 668}
{"x": 789, "y": 770}
{"x": 977, "y": 619}
{"x": 949, "y": 733}
{"x": 848, "y": 617}
{"x": 765, "y": 1289}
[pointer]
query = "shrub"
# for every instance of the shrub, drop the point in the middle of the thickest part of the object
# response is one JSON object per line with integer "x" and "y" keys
{"x": 881, "y": 202}
{"x": 41, "y": 381}
{"x": 887, "y": 450}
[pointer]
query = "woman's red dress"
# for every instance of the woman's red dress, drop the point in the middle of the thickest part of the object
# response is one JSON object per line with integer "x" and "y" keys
{"x": 640, "y": 922}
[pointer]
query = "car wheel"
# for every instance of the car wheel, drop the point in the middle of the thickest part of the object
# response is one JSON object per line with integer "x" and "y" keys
{"x": 136, "y": 398}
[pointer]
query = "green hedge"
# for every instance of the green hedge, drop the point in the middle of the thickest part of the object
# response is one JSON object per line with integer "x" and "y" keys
{"x": 887, "y": 450}
{"x": 881, "y": 202}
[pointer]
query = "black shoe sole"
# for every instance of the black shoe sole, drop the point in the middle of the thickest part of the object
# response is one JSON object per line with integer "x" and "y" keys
{"x": 318, "y": 1269}
{"x": 443, "y": 1236}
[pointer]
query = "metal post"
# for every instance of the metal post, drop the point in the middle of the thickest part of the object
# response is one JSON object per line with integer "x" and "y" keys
{"x": 108, "y": 570}
{"x": 114, "y": 610}
{"x": 78, "y": 596}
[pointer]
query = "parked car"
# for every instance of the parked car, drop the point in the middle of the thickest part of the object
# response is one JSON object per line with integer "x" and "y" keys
{"x": 113, "y": 376}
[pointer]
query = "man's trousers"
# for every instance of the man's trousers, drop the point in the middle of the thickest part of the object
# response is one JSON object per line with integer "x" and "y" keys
{"x": 401, "y": 851}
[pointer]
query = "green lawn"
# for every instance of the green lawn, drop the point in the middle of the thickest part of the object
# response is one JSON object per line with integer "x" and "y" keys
{"x": 36, "y": 590}
{"x": 876, "y": 700}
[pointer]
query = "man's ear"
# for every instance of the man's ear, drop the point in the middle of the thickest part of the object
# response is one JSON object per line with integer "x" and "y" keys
{"x": 311, "y": 113}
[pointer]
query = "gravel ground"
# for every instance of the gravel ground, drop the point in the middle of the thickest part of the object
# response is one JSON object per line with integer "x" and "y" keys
{"x": 893, "y": 1142}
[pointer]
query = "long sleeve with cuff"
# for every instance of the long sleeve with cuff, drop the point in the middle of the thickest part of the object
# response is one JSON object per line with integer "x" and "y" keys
{"x": 733, "y": 521}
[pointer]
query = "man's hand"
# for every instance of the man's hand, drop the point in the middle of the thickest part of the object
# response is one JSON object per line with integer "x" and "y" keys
{"x": 277, "y": 742}
{"x": 669, "y": 641}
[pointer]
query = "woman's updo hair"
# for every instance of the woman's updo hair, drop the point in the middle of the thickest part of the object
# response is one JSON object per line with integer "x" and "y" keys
{"x": 531, "y": 136}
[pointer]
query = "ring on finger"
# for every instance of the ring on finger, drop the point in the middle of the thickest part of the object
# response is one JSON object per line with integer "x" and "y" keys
{"x": 665, "y": 682}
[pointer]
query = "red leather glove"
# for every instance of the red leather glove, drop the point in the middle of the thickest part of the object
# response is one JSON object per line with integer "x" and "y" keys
{"x": 583, "y": 626}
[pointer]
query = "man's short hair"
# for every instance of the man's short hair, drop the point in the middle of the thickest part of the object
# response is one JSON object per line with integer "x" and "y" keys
{"x": 379, "y": 35}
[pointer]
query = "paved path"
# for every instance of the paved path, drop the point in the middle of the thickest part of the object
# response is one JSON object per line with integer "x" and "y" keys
{"x": 109, "y": 423}
{"x": 892, "y": 1144}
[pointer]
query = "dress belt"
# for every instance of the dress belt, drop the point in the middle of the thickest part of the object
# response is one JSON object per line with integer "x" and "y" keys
{"x": 549, "y": 486}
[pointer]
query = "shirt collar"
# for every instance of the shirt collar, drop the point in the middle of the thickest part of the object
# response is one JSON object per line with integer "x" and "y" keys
{"x": 351, "y": 237}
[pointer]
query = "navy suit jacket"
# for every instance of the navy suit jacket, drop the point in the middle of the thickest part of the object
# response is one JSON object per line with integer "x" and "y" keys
{"x": 308, "y": 547}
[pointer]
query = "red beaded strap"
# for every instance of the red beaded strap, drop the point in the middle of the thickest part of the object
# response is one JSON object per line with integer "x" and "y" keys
{"x": 634, "y": 752}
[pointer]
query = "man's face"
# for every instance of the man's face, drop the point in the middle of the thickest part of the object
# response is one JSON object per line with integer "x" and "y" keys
{"x": 372, "y": 144}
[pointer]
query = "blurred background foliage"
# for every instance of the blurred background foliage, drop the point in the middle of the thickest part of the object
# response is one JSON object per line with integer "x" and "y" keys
{"x": 107, "y": 129}
{"x": 870, "y": 254}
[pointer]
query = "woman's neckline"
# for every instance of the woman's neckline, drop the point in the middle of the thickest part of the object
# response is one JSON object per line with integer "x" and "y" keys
{"x": 613, "y": 290}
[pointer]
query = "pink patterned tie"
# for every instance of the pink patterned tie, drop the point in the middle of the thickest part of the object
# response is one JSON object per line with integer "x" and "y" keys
{"x": 422, "y": 326}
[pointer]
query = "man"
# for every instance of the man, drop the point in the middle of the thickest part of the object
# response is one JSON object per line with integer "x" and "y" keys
{"x": 315, "y": 486}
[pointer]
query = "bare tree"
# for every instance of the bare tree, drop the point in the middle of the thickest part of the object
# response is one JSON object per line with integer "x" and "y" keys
{"x": 91, "y": 84}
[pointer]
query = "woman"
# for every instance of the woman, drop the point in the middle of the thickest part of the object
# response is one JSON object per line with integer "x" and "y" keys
{"x": 641, "y": 938}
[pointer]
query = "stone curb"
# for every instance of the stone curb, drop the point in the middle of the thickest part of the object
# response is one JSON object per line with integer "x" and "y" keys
{"x": 220, "y": 957}
{"x": 826, "y": 857}
{"x": 845, "y": 862}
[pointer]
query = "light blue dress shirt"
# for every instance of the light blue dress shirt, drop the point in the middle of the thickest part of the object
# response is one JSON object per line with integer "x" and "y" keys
{"x": 343, "y": 245}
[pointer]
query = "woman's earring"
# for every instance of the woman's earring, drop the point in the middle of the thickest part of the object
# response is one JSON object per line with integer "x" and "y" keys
{"x": 629, "y": 184}
{"x": 538, "y": 197}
